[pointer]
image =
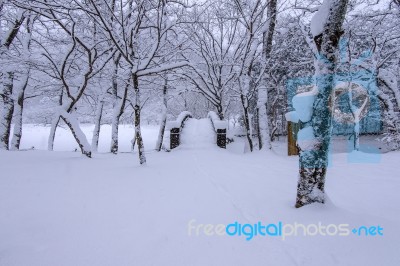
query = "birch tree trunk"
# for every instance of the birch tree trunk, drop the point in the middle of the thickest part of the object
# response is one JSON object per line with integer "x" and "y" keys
{"x": 54, "y": 125}
{"x": 97, "y": 126}
{"x": 264, "y": 136}
{"x": 163, "y": 121}
{"x": 116, "y": 107}
{"x": 7, "y": 111}
{"x": 18, "y": 112}
{"x": 313, "y": 162}
{"x": 138, "y": 132}
{"x": 20, "y": 93}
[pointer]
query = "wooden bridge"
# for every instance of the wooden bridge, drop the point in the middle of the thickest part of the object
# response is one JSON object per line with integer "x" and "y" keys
{"x": 199, "y": 132}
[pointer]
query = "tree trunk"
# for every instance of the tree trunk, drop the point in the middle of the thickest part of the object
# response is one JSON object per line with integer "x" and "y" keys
{"x": 138, "y": 132}
{"x": 97, "y": 126}
{"x": 78, "y": 134}
{"x": 18, "y": 111}
{"x": 264, "y": 139}
{"x": 247, "y": 124}
{"x": 20, "y": 93}
{"x": 52, "y": 135}
{"x": 7, "y": 110}
{"x": 114, "y": 133}
{"x": 313, "y": 163}
{"x": 264, "y": 136}
{"x": 163, "y": 121}
{"x": 116, "y": 108}
{"x": 356, "y": 136}
{"x": 54, "y": 125}
{"x": 220, "y": 111}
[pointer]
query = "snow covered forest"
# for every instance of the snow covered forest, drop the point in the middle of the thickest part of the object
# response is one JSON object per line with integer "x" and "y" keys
{"x": 123, "y": 121}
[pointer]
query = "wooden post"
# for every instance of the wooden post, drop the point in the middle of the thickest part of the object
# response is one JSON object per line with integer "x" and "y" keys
{"x": 221, "y": 138}
{"x": 174, "y": 138}
{"x": 293, "y": 129}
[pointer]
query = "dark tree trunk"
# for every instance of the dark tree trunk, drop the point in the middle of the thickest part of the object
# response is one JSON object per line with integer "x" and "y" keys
{"x": 18, "y": 110}
{"x": 7, "y": 110}
{"x": 117, "y": 110}
{"x": 313, "y": 163}
{"x": 263, "y": 131}
{"x": 220, "y": 111}
{"x": 138, "y": 132}
{"x": 247, "y": 124}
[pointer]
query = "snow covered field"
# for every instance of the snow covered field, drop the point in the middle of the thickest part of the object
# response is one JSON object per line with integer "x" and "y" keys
{"x": 60, "y": 208}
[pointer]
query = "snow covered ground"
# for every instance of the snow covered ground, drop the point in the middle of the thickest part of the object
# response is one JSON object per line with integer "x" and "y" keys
{"x": 60, "y": 208}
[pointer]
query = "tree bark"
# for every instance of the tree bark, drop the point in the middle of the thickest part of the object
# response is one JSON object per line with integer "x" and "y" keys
{"x": 54, "y": 125}
{"x": 97, "y": 126}
{"x": 247, "y": 124}
{"x": 138, "y": 132}
{"x": 313, "y": 163}
{"x": 117, "y": 112}
{"x": 264, "y": 136}
{"x": 7, "y": 110}
{"x": 163, "y": 121}
{"x": 18, "y": 112}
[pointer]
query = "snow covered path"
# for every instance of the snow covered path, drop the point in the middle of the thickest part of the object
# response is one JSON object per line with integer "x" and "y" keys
{"x": 59, "y": 208}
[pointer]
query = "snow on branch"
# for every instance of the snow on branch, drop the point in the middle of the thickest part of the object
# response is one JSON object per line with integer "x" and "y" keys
{"x": 164, "y": 68}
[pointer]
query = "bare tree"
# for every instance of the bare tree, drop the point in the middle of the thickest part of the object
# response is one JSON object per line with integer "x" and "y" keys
{"x": 142, "y": 40}
{"x": 22, "y": 85}
{"x": 213, "y": 35}
{"x": 264, "y": 138}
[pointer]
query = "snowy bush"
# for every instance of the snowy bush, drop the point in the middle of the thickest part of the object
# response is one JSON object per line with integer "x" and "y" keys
{"x": 391, "y": 136}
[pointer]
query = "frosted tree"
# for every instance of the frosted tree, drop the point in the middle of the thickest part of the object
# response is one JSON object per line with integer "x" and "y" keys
{"x": 21, "y": 86}
{"x": 326, "y": 27}
{"x": 250, "y": 65}
{"x": 84, "y": 58}
{"x": 142, "y": 39}
{"x": 264, "y": 138}
{"x": 8, "y": 68}
{"x": 378, "y": 56}
{"x": 213, "y": 36}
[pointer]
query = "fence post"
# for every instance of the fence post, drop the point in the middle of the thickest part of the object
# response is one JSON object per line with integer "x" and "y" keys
{"x": 221, "y": 138}
{"x": 174, "y": 138}
{"x": 292, "y": 130}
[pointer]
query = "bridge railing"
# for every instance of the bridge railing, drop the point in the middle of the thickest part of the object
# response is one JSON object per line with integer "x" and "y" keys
{"x": 220, "y": 127}
{"x": 175, "y": 128}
